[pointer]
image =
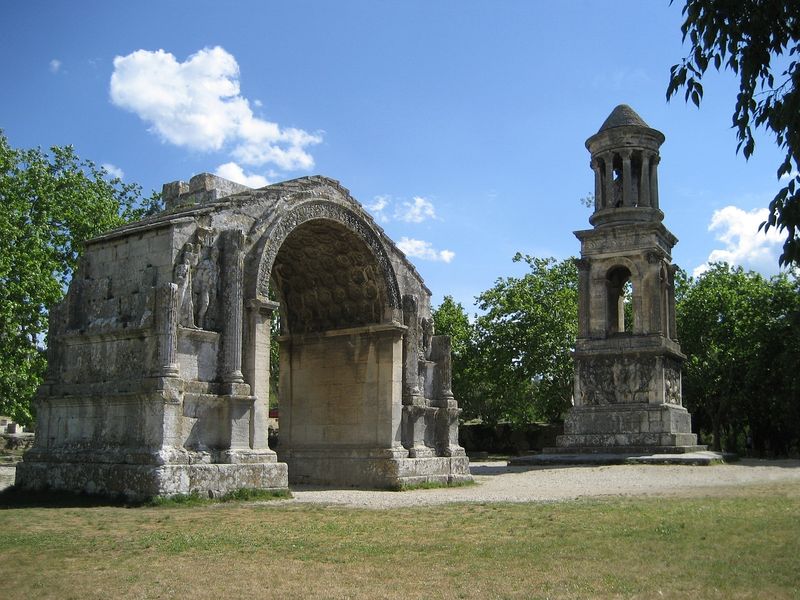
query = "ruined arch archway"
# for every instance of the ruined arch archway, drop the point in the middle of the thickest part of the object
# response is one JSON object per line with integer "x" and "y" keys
{"x": 178, "y": 307}
{"x": 340, "y": 353}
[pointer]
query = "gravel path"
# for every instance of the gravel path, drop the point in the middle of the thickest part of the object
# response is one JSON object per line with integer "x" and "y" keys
{"x": 497, "y": 482}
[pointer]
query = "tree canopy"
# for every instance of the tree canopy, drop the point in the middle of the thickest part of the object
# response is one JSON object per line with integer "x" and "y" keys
{"x": 52, "y": 203}
{"x": 516, "y": 366}
{"x": 759, "y": 41}
{"x": 741, "y": 334}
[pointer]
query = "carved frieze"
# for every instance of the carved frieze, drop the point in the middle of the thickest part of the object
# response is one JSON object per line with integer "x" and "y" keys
{"x": 615, "y": 380}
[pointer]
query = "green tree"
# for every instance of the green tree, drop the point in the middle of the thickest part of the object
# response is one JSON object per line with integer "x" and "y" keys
{"x": 756, "y": 39}
{"x": 739, "y": 332}
{"x": 51, "y": 204}
{"x": 524, "y": 341}
{"x": 469, "y": 387}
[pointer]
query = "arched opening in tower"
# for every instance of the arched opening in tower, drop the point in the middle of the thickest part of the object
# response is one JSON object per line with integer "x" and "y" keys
{"x": 620, "y": 300}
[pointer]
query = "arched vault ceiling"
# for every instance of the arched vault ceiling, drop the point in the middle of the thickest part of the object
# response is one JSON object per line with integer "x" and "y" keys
{"x": 327, "y": 278}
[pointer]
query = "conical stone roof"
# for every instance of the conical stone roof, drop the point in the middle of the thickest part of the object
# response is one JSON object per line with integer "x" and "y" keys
{"x": 623, "y": 115}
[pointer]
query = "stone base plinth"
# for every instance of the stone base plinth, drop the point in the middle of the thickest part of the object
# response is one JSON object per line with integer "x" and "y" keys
{"x": 140, "y": 481}
{"x": 372, "y": 469}
{"x": 627, "y": 428}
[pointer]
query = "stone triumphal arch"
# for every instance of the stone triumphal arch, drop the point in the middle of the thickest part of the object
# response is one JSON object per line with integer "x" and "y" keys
{"x": 159, "y": 356}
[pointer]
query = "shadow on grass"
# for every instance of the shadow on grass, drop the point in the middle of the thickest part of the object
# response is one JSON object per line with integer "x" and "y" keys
{"x": 13, "y": 497}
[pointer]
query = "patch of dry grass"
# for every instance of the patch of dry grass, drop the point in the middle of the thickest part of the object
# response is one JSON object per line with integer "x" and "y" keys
{"x": 737, "y": 546}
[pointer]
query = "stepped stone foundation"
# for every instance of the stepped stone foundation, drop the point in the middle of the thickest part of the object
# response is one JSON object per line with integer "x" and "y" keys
{"x": 159, "y": 355}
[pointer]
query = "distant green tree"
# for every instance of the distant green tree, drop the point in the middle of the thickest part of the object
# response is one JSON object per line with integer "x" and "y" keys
{"x": 524, "y": 340}
{"x": 50, "y": 205}
{"x": 740, "y": 332}
{"x": 759, "y": 40}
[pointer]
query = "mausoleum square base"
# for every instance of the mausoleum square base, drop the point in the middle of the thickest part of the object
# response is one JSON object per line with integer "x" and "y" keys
{"x": 627, "y": 428}
{"x": 367, "y": 469}
{"x": 137, "y": 482}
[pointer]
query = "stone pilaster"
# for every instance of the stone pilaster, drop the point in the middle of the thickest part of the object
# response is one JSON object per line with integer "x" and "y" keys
{"x": 256, "y": 365}
{"x": 584, "y": 268}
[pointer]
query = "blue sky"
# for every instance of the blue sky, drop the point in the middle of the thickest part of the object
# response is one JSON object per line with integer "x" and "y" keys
{"x": 461, "y": 125}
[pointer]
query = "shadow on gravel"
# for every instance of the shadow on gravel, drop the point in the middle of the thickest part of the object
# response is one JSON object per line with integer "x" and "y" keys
{"x": 783, "y": 463}
{"x": 495, "y": 469}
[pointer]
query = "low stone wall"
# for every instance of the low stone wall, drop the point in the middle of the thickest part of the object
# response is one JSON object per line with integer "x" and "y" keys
{"x": 505, "y": 438}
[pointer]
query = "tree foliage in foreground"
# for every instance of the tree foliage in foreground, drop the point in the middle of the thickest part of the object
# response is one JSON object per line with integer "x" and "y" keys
{"x": 50, "y": 204}
{"x": 516, "y": 364}
{"x": 759, "y": 40}
{"x": 741, "y": 334}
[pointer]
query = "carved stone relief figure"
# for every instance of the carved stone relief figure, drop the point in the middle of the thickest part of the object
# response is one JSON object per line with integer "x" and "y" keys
{"x": 183, "y": 279}
{"x": 426, "y": 330}
{"x": 672, "y": 384}
{"x": 204, "y": 288}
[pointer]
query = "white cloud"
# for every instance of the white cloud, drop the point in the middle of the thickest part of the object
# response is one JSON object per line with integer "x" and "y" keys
{"x": 416, "y": 211}
{"x": 424, "y": 250}
{"x": 378, "y": 207}
{"x": 234, "y": 172}
{"x": 55, "y": 65}
{"x": 197, "y": 104}
{"x": 744, "y": 244}
{"x": 113, "y": 170}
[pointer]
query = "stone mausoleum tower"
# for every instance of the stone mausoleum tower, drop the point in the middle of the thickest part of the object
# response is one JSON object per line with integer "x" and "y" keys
{"x": 627, "y": 356}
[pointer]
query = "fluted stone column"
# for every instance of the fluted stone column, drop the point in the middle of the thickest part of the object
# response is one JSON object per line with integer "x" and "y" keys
{"x": 441, "y": 355}
{"x": 412, "y": 395}
{"x": 166, "y": 327}
{"x": 232, "y": 299}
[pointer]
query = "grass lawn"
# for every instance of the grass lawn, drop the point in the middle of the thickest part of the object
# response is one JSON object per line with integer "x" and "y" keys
{"x": 745, "y": 544}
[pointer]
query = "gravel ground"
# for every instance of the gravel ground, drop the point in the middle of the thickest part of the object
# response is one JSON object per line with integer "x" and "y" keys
{"x": 497, "y": 482}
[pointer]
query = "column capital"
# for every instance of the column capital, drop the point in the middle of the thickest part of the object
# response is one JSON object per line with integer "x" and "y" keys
{"x": 261, "y": 305}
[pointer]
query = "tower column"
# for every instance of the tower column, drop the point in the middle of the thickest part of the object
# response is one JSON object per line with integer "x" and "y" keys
{"x": 598, "y": 184}
{"x": 627, "y": 187}
{"x": 644, "y": 184}
{"x": 654, "y": 181}
{"x": 608, "y": 199}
